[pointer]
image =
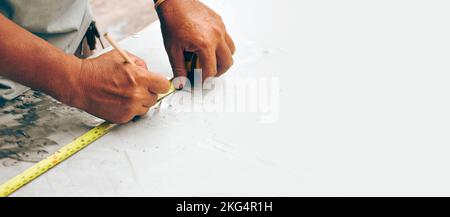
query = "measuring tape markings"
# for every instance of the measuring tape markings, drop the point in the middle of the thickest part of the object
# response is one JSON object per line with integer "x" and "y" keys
{"x": 51, "y": 161}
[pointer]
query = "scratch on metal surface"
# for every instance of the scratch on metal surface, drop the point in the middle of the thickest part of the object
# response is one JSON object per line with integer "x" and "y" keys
{"x": 133, "y": 172}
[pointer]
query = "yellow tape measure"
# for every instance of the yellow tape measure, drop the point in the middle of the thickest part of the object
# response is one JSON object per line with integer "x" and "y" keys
{"x": 62, "y": 154}
{"x": 51, "y": 161}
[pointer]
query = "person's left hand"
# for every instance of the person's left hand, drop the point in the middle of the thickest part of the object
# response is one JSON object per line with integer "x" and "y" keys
{"x": 191, "y": 26}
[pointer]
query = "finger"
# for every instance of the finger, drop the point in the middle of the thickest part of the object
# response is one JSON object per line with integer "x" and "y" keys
{"x": 138, "y": 61}
{"x": 155, "y": 83}
{"x": 209, "y": 63}
{"x": 224, "y": 59}
{"x": 177, "y": 62}
{"x": 230, "y": 43}
{"x": 142, "y": 111}
{"x": 149, "y": 100}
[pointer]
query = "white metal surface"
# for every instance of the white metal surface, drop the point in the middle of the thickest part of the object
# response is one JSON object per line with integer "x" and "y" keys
{"x": 363, "y": 109}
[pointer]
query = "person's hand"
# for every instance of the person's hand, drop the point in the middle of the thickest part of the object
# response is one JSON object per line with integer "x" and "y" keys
{"x": 115, "y": 91}
{"x": 189, "y": 25}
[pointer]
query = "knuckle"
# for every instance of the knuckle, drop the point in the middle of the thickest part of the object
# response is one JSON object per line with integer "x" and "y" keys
{"x": 211, "y": 39}
{"x": 203, "y": 43}
{"x": 218, "y": 31}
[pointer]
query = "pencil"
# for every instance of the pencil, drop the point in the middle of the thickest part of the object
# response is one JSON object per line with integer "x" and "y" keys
{"x": 120, "y": 50}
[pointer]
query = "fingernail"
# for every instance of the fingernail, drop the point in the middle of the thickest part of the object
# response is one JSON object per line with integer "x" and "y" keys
{"x": 179, "y": 82}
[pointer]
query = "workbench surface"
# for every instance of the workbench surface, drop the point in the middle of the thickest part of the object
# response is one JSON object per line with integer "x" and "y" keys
{"x": 358, "y": 105}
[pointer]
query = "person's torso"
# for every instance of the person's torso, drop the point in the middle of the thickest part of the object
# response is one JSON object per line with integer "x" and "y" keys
{"x": 60, "y": 22}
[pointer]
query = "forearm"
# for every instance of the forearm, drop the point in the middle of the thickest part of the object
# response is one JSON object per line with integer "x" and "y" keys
{"x": 33, "y": 62}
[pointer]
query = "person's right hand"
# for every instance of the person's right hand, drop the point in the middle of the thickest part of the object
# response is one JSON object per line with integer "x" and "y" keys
{"x": 110, "y": 89}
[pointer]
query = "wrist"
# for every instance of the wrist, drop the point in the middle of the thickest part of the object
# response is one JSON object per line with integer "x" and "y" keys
{"x": 67, "y": 88}
{"x": 172, "y": 6}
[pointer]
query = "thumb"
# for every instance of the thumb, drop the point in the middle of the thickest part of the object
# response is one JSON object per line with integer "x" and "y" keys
{"x": 177, "y": 62}
{"x": 176, "y": 57}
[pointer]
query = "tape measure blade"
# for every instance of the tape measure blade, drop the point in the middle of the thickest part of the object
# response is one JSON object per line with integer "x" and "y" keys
{"x": 51, "y": 161}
